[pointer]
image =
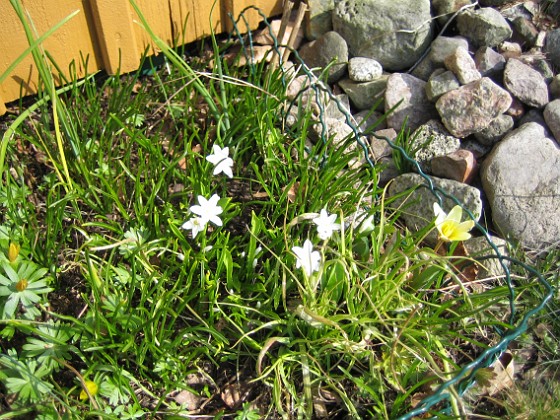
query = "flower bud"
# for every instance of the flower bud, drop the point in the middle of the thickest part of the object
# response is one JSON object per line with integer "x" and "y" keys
{"x": 13, "y": 251}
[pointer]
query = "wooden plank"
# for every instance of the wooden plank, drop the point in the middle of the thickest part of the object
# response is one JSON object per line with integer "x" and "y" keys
{"x": 64, "y": 45}
{"x": 193, "y": 19}
{"x": 252, "y": 17}
{"x": 157, "y": 14}
{"x": 116, "y": 35}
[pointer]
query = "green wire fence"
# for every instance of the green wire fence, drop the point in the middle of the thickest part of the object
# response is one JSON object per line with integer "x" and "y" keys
{"x": 465, "y": 378}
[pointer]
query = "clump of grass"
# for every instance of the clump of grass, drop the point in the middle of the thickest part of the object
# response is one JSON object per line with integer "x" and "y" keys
{"x": 264, "y": 309}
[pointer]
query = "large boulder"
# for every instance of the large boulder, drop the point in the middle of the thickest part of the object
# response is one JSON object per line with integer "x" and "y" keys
{"x": 394, "y": 32}
{"x": 523, "y": 188}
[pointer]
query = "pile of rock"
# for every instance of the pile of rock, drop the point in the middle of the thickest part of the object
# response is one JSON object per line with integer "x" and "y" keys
{"x": 481, "y": 99}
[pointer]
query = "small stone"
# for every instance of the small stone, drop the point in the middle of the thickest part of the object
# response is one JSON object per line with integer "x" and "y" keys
{"x": 441, "y": 83}
{"x": 516, "y": 109}
{"x": 365, "y": 95}
{"x": 552, "y": 118}
{"x": 444, "y": 9}
{"x": 489, "y": 63}
{"x": 318, "y": 19}
{"x": 382, "y": 154}
{"x": 552, "y": 46}
{"x": 406, "y": 100}
{"x": 536, "y": 116}
{"x": 496, "y": 130}
{"x": 472, "y": 107}
{"x": 364, "y": 69}
{"x": 525, "y": 83}
{"x": 485, "y": 26}
{"x": 459, "y": 165}
{"x": 489, "y": 268}
{"x": 510, "y": 49}
{"x": 443, "y": 46}
{"x": 462, "y": 65}
{"x": 431, "y": 140}
{"x": 321, "y": 53}
{"x": 554, "y": 87}
{"x": 366, "y": 121}
{"x": 526, "y": 30}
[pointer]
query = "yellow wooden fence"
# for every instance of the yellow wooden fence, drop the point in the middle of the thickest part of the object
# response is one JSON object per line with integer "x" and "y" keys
{"x": 107, "y": 33}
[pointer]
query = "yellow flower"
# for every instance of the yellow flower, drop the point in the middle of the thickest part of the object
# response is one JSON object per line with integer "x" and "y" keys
{"x": 449, "y": 225}
{"x": 92, "y": 388}
{"x": 13, "y": 251}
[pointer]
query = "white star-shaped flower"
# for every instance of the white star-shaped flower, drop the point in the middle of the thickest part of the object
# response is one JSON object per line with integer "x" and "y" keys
{"x": 221, "y": 160}
{"x": 195, "y": 224}
{"x": 326, "y": 224}
{"x": 208, "y": 210}
{"x": 307, "y": 259}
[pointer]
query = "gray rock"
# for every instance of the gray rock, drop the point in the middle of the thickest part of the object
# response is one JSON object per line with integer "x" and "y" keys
{"x": 382, "y": 155}
{"x": 536, "y": 116}
{"x": 552, "y": 46}
{"x": 366, "y": 121}
{"x": 525, "y": 83}
{"x": 425, "y": 68}
{"x": 489, "y": 63}
{"x": 394, "y": 32}
{"x": 495, "y": 131}
{"x": 510, "y": 49}
{"x": 364, "y": 69}
{"x": 431, "y": 140}
{"x": 492, "y": 3}
{"x": 321, "y": 52}
{"x": 472, "y": 107}
{"x": 462, "y": 65}
{"x": 334, "y": 130}
{"x": 478, "y": 149}
{"x": 318, "y": 19}
{"x": 439, "y": 84}
{"x": 552, "y": 117}
{"x": 365, "y": 95}
{"x": 444, "y": 9}
{"x": 337, "y": 107}
{"x": 543, "y": 67}
{"x": 523, "y": 189}
{"x": 440, "y": 49}
{"x": 406, "y": 97}
{"x": 526, "y": 30}
{"x": 444, "y": 46}
{"x": 484, "y": 26}
{"x": 488, "y": 268}
{"x": 554, "y": 87}
{"x": 417, "y": 206}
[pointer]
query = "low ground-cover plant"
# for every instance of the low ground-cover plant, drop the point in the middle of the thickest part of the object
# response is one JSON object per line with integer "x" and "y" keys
{"x": 190, "y": 254}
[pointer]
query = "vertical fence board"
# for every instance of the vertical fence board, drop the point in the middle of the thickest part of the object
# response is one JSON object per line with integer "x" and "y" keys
{"x": 157, "y": 14}
{"x": 252, "y": 17}
{"x": 193, "y": 19}
{"x": 64, "y": 45}
{"x": 115, "y": 35}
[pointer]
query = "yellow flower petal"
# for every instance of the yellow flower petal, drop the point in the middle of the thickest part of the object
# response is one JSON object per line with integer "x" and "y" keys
{"x": 92, "y": 388}
{"x": 449, "y": 225}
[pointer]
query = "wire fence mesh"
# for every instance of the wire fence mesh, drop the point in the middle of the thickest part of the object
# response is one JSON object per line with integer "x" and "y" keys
{"x": 465, "y": 377}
